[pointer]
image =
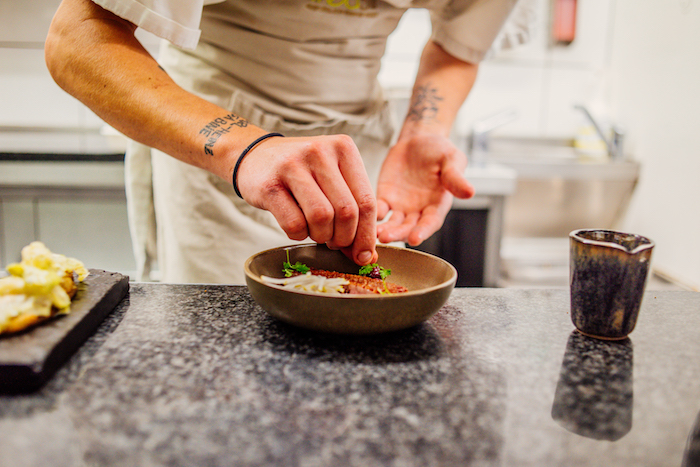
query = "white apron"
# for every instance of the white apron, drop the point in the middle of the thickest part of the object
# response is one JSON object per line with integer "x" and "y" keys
{"x": 189, "y": 224}
{"x": 297, "y": 67}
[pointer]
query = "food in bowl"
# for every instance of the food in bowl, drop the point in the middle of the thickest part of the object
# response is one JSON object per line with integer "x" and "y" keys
{"x": 371, "y": 279}
{"x": 39, "y": 287}
{"x": 324, "y": 281}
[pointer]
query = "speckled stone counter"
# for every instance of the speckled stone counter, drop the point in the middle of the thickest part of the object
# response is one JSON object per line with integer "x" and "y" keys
{"x": 199, "y": 375}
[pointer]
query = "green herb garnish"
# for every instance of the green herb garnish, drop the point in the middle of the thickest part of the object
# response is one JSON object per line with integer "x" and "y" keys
{"x": 289, "y": 268}
{"x": 375, "y": 271}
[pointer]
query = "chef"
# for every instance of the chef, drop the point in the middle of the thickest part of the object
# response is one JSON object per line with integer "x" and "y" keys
{"x": 263, "y": 122}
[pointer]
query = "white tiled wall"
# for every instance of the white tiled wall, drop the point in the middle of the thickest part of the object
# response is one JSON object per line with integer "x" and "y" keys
{"x": 26, "y": 20}
{"x": 30, "y": 99}
{"x": 29, "y": 96}
{"x": 541, "y": 82}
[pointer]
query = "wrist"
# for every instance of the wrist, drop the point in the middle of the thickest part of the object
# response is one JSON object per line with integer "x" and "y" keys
{"x": 244, "y": 153}
{"x": 420, "y": 129}
{"x": 221, "y": 140}
{"x": 425, "y": 117}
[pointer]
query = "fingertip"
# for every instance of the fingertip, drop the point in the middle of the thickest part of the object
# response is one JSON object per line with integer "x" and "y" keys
{"x": 415, "y": 239}
{"x": 384, "y": 237}
{"x": 469, "y": 190}
{"x": 393, "y": 234}
{"x": 456, "y": 184}
{"x": 365, "y": 257}
{"x": 463, "y": 190}
{"x": 422, "y": 232}
{"x": 298, "y": 236}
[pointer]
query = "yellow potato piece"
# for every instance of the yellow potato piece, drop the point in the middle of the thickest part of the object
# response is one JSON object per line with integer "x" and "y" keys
{"x": 39, "y": 286}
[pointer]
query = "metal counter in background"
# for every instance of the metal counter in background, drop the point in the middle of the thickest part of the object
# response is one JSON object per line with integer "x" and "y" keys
{"x": 558, "y": 190}
{"x": 497, "y": 238}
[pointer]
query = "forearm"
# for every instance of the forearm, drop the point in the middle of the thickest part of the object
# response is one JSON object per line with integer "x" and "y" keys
{"x": 424, "y": 170}
{"x": 441, "y": 87}
{"x": 94, "y": 56}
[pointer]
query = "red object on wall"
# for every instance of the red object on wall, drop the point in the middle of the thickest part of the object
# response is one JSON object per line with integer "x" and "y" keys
{"x": 564, "y": 21}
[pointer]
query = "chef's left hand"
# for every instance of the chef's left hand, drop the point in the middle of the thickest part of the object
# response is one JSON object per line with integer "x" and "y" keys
{"x": 418, "y": 180}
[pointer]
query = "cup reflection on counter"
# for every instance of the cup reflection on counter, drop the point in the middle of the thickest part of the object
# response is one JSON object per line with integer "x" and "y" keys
{"x": 608, "y": 274}
{"x": 594, "y": 395}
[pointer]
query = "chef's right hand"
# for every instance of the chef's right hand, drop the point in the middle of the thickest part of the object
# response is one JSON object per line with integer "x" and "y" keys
{"x": 315, "y": 187}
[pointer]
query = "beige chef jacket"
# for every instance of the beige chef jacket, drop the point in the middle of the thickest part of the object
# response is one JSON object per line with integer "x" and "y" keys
{"x": 298, "y": 67}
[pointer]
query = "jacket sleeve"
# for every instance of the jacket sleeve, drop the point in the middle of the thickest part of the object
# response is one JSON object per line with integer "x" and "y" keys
{"x": 174, "y": 20}
{"x": 467, "y": 29}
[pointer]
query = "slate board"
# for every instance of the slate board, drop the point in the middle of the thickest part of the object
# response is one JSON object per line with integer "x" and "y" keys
{"x": 30, "y": 358}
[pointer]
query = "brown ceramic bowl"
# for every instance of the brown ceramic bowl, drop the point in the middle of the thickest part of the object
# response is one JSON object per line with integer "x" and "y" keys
{"x": 429, "y": 279}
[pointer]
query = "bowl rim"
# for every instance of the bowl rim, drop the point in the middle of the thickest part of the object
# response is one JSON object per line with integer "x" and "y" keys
{"x": 450, "y": 282}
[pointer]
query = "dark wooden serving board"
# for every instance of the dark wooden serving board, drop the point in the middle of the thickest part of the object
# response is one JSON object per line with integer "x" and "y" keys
{"x": 30, "y": 358}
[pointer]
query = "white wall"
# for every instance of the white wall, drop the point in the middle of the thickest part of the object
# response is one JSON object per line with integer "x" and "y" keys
{"x": 36, "y": 115}
{"x": 656, "y": 93}
{"x": 29, "y": 97}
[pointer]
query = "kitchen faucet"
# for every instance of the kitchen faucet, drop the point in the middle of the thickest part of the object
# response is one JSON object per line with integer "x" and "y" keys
{"x": 481, "y": 134}
{"x": 614, "y": 144}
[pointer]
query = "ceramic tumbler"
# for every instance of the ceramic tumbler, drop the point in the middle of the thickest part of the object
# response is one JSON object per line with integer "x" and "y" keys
{"x": 608, "y": 273}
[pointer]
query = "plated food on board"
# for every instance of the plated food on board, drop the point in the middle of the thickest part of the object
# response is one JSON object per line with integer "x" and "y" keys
{"x": 37, "y": 288}
{"x": 418, "y": 286}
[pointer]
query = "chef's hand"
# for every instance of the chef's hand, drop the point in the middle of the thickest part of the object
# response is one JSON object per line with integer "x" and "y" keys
{"x": 417, "y": 182}
{"x": 315, "y": 187}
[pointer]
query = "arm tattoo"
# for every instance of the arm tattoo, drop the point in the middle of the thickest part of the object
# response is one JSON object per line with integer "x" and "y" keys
{"x": 218, "y": 127}
{"x": 425, "y": 103}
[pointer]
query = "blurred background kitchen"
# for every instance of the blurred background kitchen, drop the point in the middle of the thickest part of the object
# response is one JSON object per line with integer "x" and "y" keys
{"x": 623, "y": 69}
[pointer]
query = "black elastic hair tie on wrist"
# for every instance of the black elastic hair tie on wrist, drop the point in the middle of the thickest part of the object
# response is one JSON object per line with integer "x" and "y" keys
{"x": 244, "y": 153}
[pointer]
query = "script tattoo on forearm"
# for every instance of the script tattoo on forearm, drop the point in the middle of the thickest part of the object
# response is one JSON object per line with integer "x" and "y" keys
{"x": 425, "y": 103}
{"x": 219, "y": 127}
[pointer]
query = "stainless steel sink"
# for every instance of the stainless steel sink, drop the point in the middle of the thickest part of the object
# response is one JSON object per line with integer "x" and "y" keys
{"x": 558, "y": 191}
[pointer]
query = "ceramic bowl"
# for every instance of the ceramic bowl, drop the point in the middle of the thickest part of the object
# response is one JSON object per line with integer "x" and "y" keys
{"x": 429, "y": 279}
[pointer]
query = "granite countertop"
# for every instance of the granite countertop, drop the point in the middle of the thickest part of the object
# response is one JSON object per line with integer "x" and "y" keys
{"x": 199, "y": 375}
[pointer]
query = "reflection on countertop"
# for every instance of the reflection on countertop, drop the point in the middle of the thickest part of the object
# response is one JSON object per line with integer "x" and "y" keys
{"x": 594, "y": 395}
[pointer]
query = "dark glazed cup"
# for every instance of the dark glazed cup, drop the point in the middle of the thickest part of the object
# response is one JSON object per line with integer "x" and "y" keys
{"x": 608, "y": 273}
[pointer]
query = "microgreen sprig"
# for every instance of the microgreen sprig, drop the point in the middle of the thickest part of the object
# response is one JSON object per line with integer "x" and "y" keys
{"x": 375, "y": 271}
{"x": 290, "y": 269}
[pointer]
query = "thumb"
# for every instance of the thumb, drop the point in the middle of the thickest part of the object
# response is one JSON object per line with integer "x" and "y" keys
{"x": 454, "y": 182}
